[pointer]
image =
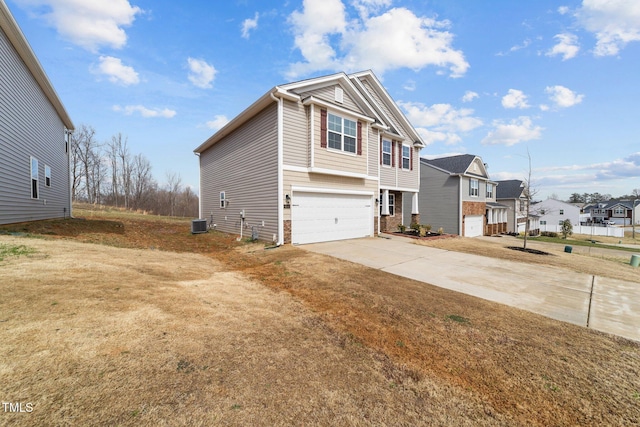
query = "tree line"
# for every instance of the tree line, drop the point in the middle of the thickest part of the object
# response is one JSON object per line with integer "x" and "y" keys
{"x": 600, "y": 198}
{"x": 108, "y": 173}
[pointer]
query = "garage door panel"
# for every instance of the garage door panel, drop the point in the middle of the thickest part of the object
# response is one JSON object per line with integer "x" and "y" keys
{"x": 473, "y": 225}
{"x": 320, "y": 217}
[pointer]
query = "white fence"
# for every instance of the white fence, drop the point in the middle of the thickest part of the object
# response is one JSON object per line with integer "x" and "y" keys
{"x": 592, "y": 230}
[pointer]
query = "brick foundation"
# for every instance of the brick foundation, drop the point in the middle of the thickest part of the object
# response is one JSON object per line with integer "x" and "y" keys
{"x": 390, "y": 223}
{"x": 415, "y": 219}
{"x": 287, "y": 231}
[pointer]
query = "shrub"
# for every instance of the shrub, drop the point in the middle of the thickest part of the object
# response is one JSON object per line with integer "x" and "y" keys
{"x": 549, "y": 234}
{"x": 567, "y": 228}
{"x": 402, "y": 228}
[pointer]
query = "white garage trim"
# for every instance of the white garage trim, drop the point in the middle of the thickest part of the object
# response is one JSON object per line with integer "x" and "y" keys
{"x": 330, "y": 191}
{"x": 322, "y": 215}
{"x": 473, "y": 225}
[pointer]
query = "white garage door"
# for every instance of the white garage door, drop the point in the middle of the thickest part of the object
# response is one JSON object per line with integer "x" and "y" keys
{"x": 321, "y": 217}
{"x": 473, "y": 225}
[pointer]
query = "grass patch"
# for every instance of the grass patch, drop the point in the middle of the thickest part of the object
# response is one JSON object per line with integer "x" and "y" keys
{"x": 14, "y": 250}
{"x": 579, "y": 242}
{"x": 457, "y": 318}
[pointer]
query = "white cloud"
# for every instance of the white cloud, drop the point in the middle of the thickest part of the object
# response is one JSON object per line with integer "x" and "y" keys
{"x": 410, "y": 85}
{"x": 516, "y": 131}
{"x": 567, "y": 46}
{"x": 515, "y": 99}
{"x": 563, "y": 10}
{"x": 201, "y": 74}
{"x": 394, "y": 39}
{"x": 144, "y": 112}
{"x": 627, "y": 167}
{"x": 563, "y": 97}
{"x": 614, "y": 23}
{"x": 469, "y": 96}
{"x": 248, "y": 25}
{"x": 90, "y": 24}
{"x": 116, "y": 71}
{"x": 218, "y": 122}
{"x": 440, "y": 122}
{"x": 367, "y": 7}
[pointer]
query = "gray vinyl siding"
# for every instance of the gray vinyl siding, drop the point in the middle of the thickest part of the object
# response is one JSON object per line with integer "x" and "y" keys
{"x": 438, "y": 200}
{"x": 29, "y": 127}
{"x": 296, "y": 133}
{"x": 245, "y": 166}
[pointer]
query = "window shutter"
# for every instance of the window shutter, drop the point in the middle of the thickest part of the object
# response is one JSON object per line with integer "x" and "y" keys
{"x": 393, "y": 153}
{"x": 359, "y": 138}
{"x": 323, "y": 128}
{"x": 411, "y": 159}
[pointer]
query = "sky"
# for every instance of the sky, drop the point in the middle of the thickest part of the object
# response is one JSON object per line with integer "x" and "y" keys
{"x": 556, "y": 82}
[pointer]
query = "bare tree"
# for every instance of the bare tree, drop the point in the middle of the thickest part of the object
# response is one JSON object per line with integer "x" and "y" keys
{"x": 174, "y": 183}
{"x": 141, "y": 181}
{"x": 86, "y": 159}
{"x": 529, "y": 194}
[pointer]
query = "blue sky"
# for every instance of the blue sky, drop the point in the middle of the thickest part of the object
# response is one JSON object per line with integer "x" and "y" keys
{"x": 558, "y": 79}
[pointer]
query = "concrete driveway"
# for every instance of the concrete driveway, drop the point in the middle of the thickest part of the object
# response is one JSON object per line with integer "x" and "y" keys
{"x": 550, "y": 291}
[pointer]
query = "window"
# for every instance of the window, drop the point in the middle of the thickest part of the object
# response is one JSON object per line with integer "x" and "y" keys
{"x": 542, "y": 211}
{"x": 561, "y": 211}
{"x": 406, "y": 157}
{"x": 392, "y": 204}
{"x": 342, "y": 133}
{"x": 560, "y": 222}
{"x": 543, "y": 222}
{"x": 474, "y": 187}
{"x": 223, "y": 200}
{"x": 386, "y": 152}
{"x": 618, "y": 211}
{"x": 47, "y": 176}
{"x": 34, "y": 178}
{"x": 489, "y": 191}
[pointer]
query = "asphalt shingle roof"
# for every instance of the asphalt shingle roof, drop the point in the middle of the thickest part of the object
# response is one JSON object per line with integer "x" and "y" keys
{"x": 509, "y": 189}
{"x": 452, "y": 164}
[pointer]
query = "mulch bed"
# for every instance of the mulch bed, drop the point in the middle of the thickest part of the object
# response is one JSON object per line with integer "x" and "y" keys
{"x": 528, "y": 250}
{"x": 429, "y": 236}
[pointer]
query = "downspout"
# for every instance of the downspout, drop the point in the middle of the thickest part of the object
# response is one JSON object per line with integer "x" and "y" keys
{"x": 199, "y": 186}
{"x": 67, "y": 141}
{"x": 280, "y": 171}
{"x": 460, "y": 230}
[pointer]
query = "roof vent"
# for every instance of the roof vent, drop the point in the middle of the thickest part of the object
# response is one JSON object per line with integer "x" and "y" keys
{"x": 339, "y": 94}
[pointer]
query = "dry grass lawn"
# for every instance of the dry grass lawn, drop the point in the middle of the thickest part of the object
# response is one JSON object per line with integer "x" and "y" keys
{"x": 126, "y": 319}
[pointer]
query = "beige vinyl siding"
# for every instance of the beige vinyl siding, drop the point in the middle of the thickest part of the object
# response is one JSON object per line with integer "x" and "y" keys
{"x": 327, "y": 158}
{"x": 328, "y": 94}
{"x": 296, "y": 150}
{"x": 438, "y": 200}
{"x": 408, "y": 178}
{"x": 387, "y": 111}
{"x": 330, "y": 182}
{"x": 29, "y": 127}
{"x": 245, "y": 166}
{"x": 373, "y": 149}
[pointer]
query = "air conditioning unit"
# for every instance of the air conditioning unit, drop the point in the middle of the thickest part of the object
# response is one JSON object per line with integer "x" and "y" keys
{"x": 198, "y": 226}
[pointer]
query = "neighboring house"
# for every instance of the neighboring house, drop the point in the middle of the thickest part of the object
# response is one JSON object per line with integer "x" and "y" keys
{"x": 511, "y": 194}
{"x": 327, "y": 158}
{"x": 457, "y": 195}
{"x": 552, "y": 213}
{"x": 618, "y": 212}
{"x": 34, "y": 131}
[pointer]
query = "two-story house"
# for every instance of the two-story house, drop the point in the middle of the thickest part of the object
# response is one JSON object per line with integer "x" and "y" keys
{"x": 35, "y": 181}
{"x": 552, "y": 213}
{"x": 457, "y": 195}
{"x": 511, "y": 193}
{"x": 327, "y": 158}
{"x": 618, "y": 212}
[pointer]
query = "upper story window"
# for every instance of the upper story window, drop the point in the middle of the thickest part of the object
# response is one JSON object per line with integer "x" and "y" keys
{"x": 489, "y": 191}
{"x": 474, "y": 187}
{"x": 561, "y": 211}
{"x": 386, "y": 152}
{"x": 618, "y": 211}
{"x": 342, "y": 133}
{"x": 406, "y": 157}
{"x": 34, "y": 178}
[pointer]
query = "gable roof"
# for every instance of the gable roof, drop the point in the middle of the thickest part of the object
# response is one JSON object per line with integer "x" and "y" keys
{"x": 456, "y": 165}
{"x": 289, "y": 91}
{"x": 509, "y": 189}
{"x": 17, "y": 39}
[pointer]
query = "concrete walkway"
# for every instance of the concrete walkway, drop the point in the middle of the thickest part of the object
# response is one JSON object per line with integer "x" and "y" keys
{"x": 550, "y": 291}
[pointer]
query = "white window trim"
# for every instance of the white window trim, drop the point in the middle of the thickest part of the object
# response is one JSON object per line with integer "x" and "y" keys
{"x": 47, "y": 176}
{"x": 37, "y": 178}
{"x": 389, "y": 152}
{"x": 407, "y": 157}
{"x": 342, "y": 135}
{"x": 392, "y": 204}
{"x": 223, "y": 200}
{"x": 473, "y": 193}
{"x": 489, "y": 193}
